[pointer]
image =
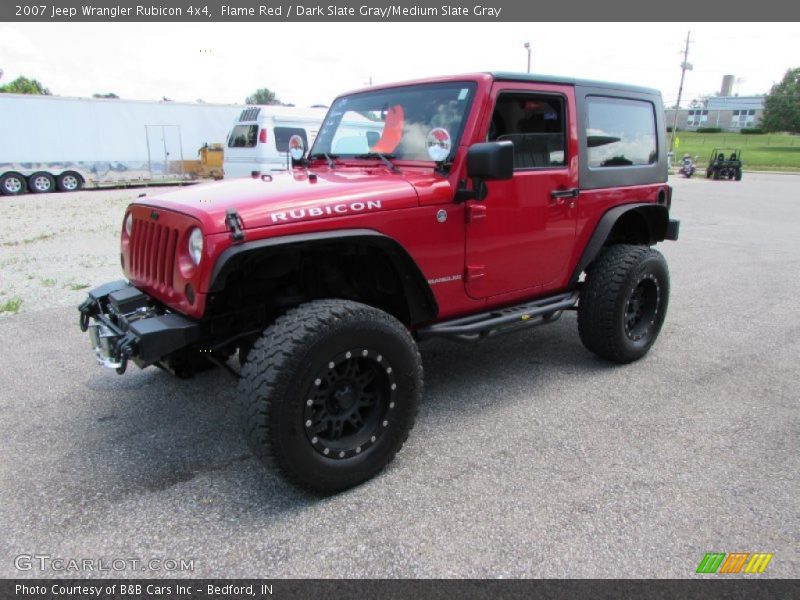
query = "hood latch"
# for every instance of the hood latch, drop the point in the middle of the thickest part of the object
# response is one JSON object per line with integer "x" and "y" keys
{"x": 234, "y": 223}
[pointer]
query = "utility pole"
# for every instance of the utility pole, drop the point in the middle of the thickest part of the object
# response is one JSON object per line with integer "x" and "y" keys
{"x": 685, "y": 66}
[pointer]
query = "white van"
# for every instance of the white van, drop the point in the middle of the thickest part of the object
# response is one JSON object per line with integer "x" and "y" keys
{"x": 259, "y": 138}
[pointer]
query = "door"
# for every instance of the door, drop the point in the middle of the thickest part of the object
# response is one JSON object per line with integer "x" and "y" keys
{"x": 164, "y": 151}
{"x": 521, "y": 235}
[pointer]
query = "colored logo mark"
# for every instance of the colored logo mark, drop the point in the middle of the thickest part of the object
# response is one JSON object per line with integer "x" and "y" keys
{"x": 720, "y": 562}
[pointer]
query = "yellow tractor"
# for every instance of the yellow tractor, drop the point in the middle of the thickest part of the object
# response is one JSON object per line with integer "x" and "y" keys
{"x": 211, "y": 160}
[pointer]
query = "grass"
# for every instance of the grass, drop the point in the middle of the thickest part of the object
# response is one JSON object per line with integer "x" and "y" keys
{"x": 11, "y": 305}
{"x": 48, "y": 282}
{"x": 769, "y": 152}
{"x": 77, "y": 286}
{"x": 38, "y": 238}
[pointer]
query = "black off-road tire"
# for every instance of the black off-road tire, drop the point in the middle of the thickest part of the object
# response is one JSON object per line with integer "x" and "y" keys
{"x": 623, "y": 302}
{"x": 295, "y": 380}
{"x": 738, "y": 176}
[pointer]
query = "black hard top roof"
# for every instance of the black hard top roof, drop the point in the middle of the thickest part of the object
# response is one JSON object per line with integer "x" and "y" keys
{"x": 535, "y": 78}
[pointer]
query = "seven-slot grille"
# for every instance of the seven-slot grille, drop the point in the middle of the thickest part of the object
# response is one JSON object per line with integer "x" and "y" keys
{"x": 152, "y": 253}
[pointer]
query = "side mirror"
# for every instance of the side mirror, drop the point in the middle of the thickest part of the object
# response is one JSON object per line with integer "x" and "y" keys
{"x": 491, "y": 161}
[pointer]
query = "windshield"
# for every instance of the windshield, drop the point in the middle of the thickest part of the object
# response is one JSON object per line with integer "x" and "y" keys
{"x": 418, "y": 122}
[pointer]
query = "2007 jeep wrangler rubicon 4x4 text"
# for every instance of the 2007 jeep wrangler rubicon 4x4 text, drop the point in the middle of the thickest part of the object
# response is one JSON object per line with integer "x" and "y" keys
{"x": 460, "y": 207}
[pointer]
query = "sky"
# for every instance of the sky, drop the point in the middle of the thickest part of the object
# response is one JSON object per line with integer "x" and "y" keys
{"x": 311, "y": 63}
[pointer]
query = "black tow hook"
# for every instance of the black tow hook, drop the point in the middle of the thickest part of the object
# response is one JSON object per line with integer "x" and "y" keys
{"x": 85, "y": 313}
{"x": 123, "y": 360}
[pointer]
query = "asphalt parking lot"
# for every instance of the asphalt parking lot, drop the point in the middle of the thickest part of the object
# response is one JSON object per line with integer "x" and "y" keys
{"x": 530, "y": 457}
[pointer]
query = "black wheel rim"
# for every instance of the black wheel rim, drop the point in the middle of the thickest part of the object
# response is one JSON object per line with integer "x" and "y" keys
{"x": 641, "y": 310}
{"x": 349, "y": 403}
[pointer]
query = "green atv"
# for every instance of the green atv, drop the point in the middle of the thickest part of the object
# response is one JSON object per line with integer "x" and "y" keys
{"x": 725, "y": 163}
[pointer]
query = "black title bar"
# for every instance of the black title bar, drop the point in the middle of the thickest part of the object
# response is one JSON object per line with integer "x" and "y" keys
{"x": 205, "y": 11}
{"x": 701, "y": 588}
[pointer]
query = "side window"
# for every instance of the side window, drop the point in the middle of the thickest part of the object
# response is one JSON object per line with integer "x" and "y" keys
{"x": 284, "y": 134}
{"x": 620, "y": 132}
{"x": 243, "y": 136}
{"x": 536, "y": 125}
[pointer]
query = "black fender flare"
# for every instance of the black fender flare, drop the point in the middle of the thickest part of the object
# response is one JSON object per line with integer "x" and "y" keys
{"x": 422, "y": 305}
{"x": 655, "y": 217}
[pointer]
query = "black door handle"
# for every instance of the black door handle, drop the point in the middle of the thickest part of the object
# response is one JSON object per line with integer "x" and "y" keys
{"x": 573, "y": 193}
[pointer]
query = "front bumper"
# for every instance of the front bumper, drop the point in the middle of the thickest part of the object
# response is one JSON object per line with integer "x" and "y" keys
{"x": 125, "y": 324}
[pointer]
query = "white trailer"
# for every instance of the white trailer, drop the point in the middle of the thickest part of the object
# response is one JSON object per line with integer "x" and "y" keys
{"x": 50, "y": 143}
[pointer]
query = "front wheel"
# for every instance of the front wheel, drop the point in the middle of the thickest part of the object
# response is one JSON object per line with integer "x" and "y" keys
{"x": 330, "y": 392}
{"x": 623, "y": 302}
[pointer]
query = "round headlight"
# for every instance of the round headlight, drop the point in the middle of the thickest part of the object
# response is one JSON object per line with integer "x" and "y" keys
{"x": 196, "y": 245}
{"x": 129, "y": 224}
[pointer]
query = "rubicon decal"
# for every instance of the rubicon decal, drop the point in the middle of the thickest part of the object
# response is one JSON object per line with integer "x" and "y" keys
{"x": 720, "y": 562}
{"x": 300, "y": 214}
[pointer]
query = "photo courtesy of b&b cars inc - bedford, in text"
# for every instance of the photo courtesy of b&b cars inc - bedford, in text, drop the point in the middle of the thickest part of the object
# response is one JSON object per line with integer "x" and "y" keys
{"x": 430, "y": 300}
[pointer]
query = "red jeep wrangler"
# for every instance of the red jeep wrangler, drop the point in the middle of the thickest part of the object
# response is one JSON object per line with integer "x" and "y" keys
{"x": 460, "y": 207}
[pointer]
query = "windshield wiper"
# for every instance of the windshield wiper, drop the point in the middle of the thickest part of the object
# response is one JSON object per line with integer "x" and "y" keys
{"x": 384, "y": 157}
{"x": 328, "y": 158}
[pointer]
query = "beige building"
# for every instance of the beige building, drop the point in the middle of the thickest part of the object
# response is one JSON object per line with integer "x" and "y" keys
{"x": 729, "y": 113}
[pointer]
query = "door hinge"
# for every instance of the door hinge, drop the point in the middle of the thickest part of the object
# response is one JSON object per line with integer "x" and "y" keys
{"x": 476, "y": 212}
{"x": 473, "y": 272}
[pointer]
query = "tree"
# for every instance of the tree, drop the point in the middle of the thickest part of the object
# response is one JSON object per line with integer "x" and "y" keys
{"x": 262, "y": 96}
{"x": 23, "y": 85}
{"x": 782, "y": 104}
{"x": 108, "y": 95}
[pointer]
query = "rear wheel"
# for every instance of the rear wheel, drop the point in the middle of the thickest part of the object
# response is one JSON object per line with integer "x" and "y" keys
{"x": 623, "y": 302}
{"x": 738, "y": 174}
{"x": 330, "y": 392}
{"x": 12, "y": 184}
{"x": 41, "y": 183}
{"x": 69, "y": 182}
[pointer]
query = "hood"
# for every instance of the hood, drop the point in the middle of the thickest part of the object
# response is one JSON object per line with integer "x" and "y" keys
{"x": 294, "y": 196}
